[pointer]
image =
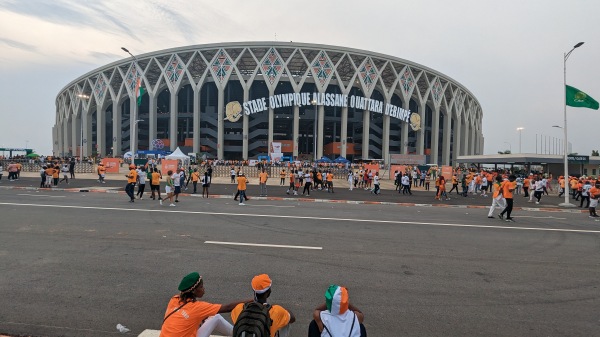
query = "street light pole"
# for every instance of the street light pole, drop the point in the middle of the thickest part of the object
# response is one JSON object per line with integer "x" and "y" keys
{"x": 566, "y": 162}
{"x": 520, "y": 129}
{"x": 133, "y": 120}
{"x": 82, "y": 96}
{"x": 314, "y": 102}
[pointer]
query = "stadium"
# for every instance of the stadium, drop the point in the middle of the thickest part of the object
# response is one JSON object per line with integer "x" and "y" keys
{"x": 243, "y": 100}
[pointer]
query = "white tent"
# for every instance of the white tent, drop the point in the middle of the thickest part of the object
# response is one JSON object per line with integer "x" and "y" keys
{"x": 177, "y": 154}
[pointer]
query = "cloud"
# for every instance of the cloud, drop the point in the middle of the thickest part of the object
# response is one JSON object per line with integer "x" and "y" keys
{"x": 18, "y": 45}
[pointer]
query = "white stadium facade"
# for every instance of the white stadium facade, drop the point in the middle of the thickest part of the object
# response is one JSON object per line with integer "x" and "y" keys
{"x": 235, "y": 100}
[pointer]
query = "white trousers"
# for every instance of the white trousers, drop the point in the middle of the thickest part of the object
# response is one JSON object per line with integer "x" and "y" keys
{"x": 216, "y": 324}
{"x": 284, "y": 332}
{"x": 500, "y": 203}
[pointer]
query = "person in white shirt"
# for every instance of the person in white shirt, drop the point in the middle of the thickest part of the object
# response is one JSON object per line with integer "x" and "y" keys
{"x": 376, "y": 189}
{"x": 65, "y": 171}
{"x": 141, "y": 182}
{"x": 350, "y": 179}
{"x": 415, "y": 178}
{"x": 531, "y": 189}
{"x": 176, "y": 184}
{"x": 539, "y": 189}
{"x": 307, "y": 184}
{"x": 337, "y": 316}
{"x": 484, "y": 186}
{"x": 405, "y": 184}
{"x": 232, "y": 173}
{"x": 585, "y": 193}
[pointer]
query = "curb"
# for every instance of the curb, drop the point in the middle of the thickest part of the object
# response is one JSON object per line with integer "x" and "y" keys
{"x": 351, "y": 202}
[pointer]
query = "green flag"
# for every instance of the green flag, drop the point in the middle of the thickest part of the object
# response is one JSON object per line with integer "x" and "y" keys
{"x": 580, "y": 99}
{"x": 140, "y": 93}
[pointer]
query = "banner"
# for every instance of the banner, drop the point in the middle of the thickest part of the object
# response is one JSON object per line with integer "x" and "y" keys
{"x": 111, "y": 165}
{"x": 276, "y": 157}
{"x": 408, "y": 159}
{"x": 275, "y": 147}
{"x": 393, "y": 168}
{"x": 372, "y": 167}
{"x": 447, "y": 173}
{"x": 168, "y": 164}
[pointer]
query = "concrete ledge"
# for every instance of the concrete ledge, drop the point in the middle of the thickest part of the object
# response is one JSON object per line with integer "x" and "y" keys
{"x": 156, "y": 333}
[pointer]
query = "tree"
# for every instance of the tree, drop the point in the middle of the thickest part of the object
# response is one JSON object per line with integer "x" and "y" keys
{"x": 595, "y": 153}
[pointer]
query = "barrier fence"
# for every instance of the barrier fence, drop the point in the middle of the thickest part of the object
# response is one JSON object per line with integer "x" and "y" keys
{"x": 30, "y": 165}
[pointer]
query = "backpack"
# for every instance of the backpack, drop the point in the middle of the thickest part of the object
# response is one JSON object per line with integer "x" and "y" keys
{"x": 253, "y": 321}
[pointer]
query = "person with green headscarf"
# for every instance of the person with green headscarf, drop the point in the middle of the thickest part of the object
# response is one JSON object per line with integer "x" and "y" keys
{"x": 337, "y": 316}
{"x": 188, "y": 316}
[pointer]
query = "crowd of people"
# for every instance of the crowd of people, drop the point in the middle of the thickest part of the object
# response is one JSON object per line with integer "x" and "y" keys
{"x": 188, "y": 316}
{"x": 302, "y": 180}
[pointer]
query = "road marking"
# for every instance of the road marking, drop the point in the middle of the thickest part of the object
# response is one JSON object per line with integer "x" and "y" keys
{"x": 42, "y": 195}
{"x": 539, "y": 217}
{"x": 280, "y": 206}
{"x": 309, "y": 218}
{"x": 260, "y": 245}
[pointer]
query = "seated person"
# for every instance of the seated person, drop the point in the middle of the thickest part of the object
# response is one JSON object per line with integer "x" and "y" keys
{"x": 280, "y": 317}
{"x": 337, "y": 317}
{"x": 187, "y": 316}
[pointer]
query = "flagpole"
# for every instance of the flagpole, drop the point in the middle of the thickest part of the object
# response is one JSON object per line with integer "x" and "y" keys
{"x": 567, "y": 203}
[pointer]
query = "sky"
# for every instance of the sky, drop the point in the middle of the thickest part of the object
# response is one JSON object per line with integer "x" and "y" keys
{"x": 509, "y": 53}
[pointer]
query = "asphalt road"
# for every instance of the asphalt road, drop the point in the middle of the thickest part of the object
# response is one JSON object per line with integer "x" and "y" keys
{"x": 77, "y": 264}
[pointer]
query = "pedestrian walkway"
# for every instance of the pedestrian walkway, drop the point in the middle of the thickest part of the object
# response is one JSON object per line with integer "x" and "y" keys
{"x": 222, "y": 188}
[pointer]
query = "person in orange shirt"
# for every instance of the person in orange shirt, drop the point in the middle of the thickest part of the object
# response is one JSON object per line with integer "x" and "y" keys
{"x": 477, "y": 183}
{"x": 319, "y": 181}
{"x": 594, "y": 195}
{"x": 242, "y": 181}
{"x": 19, "y": 168}
{"x": 282, "y": 177}
{"x": 329, "y": 178}
{"x": 454, "y": 184}
{"x": 292, "y": 184}
{"x": 155, "y": 184}
{"x": 573, "y": 185}
{"x": 280, "y": 318}
{"x": 131, "y": 179}
{"x": 507, "y": 191}
{"x": 188, "y": 316}
{"x": 526, "y": 184}
{"x": 49, "y": 171}
{"x": 579, "y": 187}
{"x": 561, "y": 185}
{"x": 101, "y": 173}
{"x": 441, "y": 185}
{"x": 263, "y": 176}
{"x": 498, "y": 200}
{"x": 55, "y": 174}
{"x": 195, "y": 178}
